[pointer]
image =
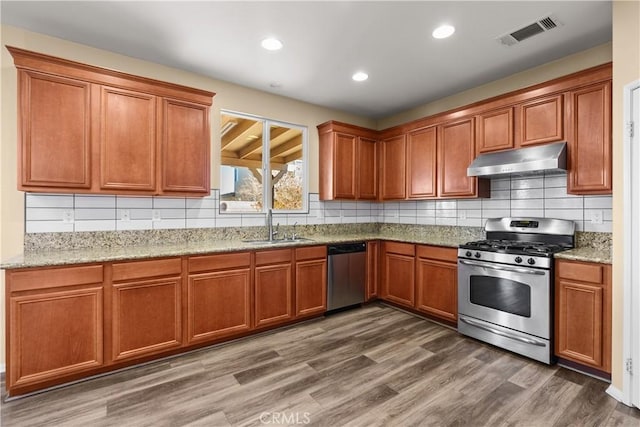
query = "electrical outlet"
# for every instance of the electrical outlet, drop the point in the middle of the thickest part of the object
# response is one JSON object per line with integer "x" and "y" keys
{"x": 596, "y": 217}
{"x": 67, "y": 216}
{"x": 125, "y": 215}
{"x": 320, "y": 214}
{"x": 155, "y": 215}
{"x": 462, "y": 214}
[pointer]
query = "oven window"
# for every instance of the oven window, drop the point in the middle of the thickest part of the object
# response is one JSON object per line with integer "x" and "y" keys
{"x": 501, "y": 294}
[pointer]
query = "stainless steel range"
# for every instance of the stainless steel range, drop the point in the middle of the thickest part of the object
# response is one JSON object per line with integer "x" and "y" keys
{"x": 505, "y": 284}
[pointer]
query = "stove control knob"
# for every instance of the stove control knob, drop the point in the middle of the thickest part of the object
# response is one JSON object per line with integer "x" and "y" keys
{"x": 518, "y": 260}
{"x": 531, "y": 261}
{"x": 468, "y": 254}
{"x": 477, "y": 255}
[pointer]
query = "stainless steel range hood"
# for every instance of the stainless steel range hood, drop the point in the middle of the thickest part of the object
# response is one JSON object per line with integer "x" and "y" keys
{"x": 548, "y": 157}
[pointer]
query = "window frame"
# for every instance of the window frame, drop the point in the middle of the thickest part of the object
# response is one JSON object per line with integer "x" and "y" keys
{"x": 266, "y": 169}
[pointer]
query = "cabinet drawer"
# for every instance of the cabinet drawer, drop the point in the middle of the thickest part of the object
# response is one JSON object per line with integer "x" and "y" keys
{"x": 312, "y": 252}
{"x": 438, "y": 252}
{"x": 591, "y": 273}
{"x": 400, "y": 248}
{"x": 219, "y": 262}
{"x": 273, "y": 257}
{"x": 146, "y": 269}
{"x": 24, "y": 280}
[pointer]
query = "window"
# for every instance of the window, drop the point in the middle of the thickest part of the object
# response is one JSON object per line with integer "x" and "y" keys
{"x": 251, "y": 182}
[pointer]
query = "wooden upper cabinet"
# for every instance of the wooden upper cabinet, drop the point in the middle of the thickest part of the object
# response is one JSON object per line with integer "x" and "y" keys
{"x": 128, "y": 123}
{"x": 589, "y": 139}
{"x": 456, "y": 151}
{"x": 85, "y": 129}
{"x": 348, "y": 162}
{"x": 367, "y": 167}
{"x": 494, "y": 130}
{"x": 540, "y": 121}
{"x": 185, "y": 148}
{"x": 345, "y": 166}
{"x": 55, "y": 132}
{"x": 393, "y": 168}
{"x": 422, "y": 163}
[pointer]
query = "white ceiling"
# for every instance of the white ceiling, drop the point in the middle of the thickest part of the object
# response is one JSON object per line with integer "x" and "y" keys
{"x": 326, "y": 42}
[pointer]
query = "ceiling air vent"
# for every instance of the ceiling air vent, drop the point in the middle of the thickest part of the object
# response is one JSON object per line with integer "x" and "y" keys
{"x": 540, "y": 26}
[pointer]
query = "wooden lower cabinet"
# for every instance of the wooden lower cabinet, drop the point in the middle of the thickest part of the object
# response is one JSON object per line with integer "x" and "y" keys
{"x": 218, "y": 296}
{"x": 54, "y": 324}
{"x": 146, "y": 311}
{"x": 437, "y": 282}
{"x": 373, "y": 270}
{"x": 583, "y": 313}
{"x": 311, "y": 281}
{"x": 273, "y": 287}
{"x": 398, "y": 273}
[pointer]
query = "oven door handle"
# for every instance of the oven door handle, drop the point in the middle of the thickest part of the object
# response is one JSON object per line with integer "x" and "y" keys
{"x": 502, "y": 334}
{"x": 503, "y": 268}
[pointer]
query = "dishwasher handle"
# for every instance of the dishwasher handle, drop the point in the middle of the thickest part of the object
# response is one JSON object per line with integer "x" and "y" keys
{"x": 346, "y": 248}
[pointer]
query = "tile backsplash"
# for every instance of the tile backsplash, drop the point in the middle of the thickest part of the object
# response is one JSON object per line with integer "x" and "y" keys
{"x": 534, "y": 196}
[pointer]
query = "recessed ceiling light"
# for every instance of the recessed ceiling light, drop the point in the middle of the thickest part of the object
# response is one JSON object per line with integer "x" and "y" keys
{"x": 443, "y": 31}
{"x": 360, "y": 76}
{"x": 271, "y": 44}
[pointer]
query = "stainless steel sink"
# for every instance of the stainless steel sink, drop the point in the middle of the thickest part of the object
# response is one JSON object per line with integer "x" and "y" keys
{"x": 277, "y": 242}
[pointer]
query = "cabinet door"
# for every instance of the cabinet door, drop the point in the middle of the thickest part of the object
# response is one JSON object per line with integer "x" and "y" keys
{"x": 127, "y": 140}
{"x": 54, "y": 334}
{"x": 55, "y": 132}
{"x": 393, "y": 168}
{"x": 494, "y": 130}
{"x": 398, "y": 277}
{"x": 367, "y": 167}
{"x": 589, "y": 136}
{"x": 146, "y": 317}
{"x": 185, "y": 148}
{"x": 311, "y": 287}
{"x": 456, "y": 151}
{"x": 437, "y": 288}
{"x": 579, "y": 310}
{"x": 344, "y": 165}
{"x": 540, "y": 121}
{"x": 218, "y": 304}
{"x": 421, "y": 163}
{"x": 273, "y": 300}
{"x": 373, "y": 272}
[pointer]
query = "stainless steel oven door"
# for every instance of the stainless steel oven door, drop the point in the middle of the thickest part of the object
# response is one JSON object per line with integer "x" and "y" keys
{"x": 511, "y": 296}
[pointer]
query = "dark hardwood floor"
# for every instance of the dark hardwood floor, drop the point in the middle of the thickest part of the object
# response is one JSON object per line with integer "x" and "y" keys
{"x": 374, "y": 366}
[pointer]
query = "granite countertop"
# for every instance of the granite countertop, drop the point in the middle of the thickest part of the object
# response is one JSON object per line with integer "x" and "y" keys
{"x": 587, "y": 254}
{"x": 57, "y": 249}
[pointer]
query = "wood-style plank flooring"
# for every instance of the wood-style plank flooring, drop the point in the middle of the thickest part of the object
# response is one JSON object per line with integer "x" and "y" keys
{"x": 374, "y": 366}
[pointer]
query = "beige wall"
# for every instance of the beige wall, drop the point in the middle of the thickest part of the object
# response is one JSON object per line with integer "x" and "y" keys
{"x": 626, "y": 68}
{"x": 561, "y": 67}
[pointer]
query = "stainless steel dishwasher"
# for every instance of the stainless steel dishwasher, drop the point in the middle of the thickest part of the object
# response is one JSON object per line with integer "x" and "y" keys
{"x": 346, "y": 275}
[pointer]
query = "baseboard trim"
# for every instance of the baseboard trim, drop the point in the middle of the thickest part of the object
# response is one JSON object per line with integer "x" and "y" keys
{"x": 615, "y": 393}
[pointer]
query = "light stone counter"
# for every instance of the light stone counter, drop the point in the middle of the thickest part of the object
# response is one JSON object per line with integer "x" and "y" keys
{"x": 55, "y": 249}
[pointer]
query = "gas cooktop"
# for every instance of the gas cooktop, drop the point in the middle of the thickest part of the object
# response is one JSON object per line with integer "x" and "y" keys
{"x": 516, "y": 247}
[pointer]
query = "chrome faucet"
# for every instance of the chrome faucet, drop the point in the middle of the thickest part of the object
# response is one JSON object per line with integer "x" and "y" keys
{"x": 272, "y": 232}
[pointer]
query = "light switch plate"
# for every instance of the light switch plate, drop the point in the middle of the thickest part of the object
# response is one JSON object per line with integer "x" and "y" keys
{"x": 155, "y": 215}
{"x": 67, "y": 216}
{"x": 125, "y": 215}
{"x": 462, "y": 214}
{"x": 596, "y": 217}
